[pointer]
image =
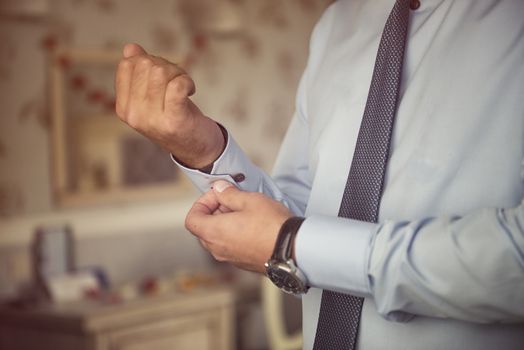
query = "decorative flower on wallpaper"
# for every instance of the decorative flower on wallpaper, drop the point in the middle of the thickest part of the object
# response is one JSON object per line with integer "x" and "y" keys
{"x": 2, "y": 149}
{"x": 89, "y": 88}
{"x": 228, "y": 45}
{"x": 11, "y": 200}
{"x": 278, "y": 120}
{"x": 102, "y": 5}
{"x": 7, "y": 56}
{"x": 250, "y": 46}
{"x": 112, "y": 44}
{"x": 36, "y": 109}
{"x": 286, "y": 65}
{"x": 238, "y": 107}
{"x": 272, "y": 12}
{"x": 164, "y": 38}
{"x": 212, "y": 17}
{"x": 204, "y": 57}
{"x": 309, "y": 5}
{"x": 106, "y": 5}
{"x": 59, "y": 33}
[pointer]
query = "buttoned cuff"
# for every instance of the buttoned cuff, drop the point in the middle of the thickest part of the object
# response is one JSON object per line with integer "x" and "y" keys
{"x": 232, "y": 166}
{"x": 333, "y": 253}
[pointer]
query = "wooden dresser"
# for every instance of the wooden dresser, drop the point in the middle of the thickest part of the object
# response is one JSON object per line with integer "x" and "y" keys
{"x": 202, "y": 319}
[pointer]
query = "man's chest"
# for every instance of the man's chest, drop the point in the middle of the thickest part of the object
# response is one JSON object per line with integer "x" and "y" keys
{"x": 460, "y": 122}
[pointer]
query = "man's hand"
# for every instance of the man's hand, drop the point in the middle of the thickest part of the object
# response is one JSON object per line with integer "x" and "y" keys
{"x": 237, "y": 227}
{"x": 152, "y": 96}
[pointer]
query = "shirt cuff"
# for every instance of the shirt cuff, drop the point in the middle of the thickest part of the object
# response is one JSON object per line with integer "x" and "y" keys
{"x": 334, "y": 252}
{"x": 232, "y": 165}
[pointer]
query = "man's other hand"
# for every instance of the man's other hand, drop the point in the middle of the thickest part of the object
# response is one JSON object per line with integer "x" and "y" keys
{"x": 152, "y": 96}
{"x": 237, "y": 227}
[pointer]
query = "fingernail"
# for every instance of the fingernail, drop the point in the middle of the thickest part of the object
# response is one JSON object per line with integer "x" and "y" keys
{"x": 221, "y": 185}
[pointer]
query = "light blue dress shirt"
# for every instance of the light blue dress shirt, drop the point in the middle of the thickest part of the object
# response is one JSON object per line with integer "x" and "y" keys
{"x": 444, "y": 267}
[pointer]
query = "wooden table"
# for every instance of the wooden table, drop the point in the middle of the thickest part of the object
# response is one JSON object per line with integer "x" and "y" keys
{"x": 202, "y": 319}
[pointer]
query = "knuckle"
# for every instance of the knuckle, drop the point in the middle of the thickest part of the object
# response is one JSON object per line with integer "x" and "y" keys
{"x": 159, "y": 70}
{"x": 172, "y": 85}
{"x": 185, "y": 79}
{"x": 173, "y": 89}
{"x": 132, "y": 118}
{"x": 161, "y": 60}
{"x": 180, "y": 84}
{"x": 119, "y": 111}
{"x": 218, "y": 257}
{"x": 128, "y": 114}
{"x": 188, "y": 223}
{"x": 125, "y": 65}
{"x": 145, "y": 62}
{"x": 159, "y": 74}
{"x": 192, "y": 226}
{"x": 132, "y": 123}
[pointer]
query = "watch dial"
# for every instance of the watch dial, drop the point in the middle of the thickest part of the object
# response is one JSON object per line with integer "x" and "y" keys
{"x": 283, "y": 279}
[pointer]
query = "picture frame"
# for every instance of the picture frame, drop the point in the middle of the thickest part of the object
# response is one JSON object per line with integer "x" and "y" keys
{"x": 96, "y": 158}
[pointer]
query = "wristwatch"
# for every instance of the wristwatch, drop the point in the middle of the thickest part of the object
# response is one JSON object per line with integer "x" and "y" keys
{"x": 281, "y": 268}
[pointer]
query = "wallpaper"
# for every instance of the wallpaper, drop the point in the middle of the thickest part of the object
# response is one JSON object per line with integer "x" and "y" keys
{"x": 246, "y": 57}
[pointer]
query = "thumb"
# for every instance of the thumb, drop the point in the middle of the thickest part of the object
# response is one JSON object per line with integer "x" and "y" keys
{"x": 229, "y": 195}
{"x": 131, "y": 50}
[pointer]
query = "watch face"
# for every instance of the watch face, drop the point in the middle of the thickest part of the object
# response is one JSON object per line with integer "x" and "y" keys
{"x": 286, "y": 280}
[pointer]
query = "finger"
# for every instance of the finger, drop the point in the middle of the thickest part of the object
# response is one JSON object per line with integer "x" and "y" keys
{"x": 139, "y": 80}
{"x": 150, "y": 77}
{"x": 207, "y": 203}
{"x": 123, "y": 77}
{"x": 161, "y": 74}
{"x": 198, "y": 218}
{"x": 229, "y": 196}
{"x": 222, "y": 209}
{"x": 131, "y": 50}
{"x": 204, "y": 244}
{"x": 177, "y": 92}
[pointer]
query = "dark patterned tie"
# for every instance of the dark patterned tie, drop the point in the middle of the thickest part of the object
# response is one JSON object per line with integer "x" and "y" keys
{"x": 340, "y": 313}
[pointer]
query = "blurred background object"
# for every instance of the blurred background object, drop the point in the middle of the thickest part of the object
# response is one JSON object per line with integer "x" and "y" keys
{"x": 66, "y": 159}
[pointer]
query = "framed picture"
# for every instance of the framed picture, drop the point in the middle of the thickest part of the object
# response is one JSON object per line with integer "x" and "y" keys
{"x": 96, "y": 157}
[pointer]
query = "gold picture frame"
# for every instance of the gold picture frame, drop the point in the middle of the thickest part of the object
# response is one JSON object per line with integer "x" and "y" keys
{"x": 97, "y": 159}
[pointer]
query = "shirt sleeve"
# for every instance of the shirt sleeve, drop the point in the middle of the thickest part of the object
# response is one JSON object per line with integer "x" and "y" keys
{"x": 234, "y": 166}
{"x": 469, "y": 268}
{"x": 290, "y": 184}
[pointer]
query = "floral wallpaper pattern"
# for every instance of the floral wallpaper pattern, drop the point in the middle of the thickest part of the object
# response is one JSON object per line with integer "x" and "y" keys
{"x": 246, "y": 57}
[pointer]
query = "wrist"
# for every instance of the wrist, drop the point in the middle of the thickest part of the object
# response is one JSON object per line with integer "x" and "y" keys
{"x": 223, "y": 141}
{"x": 204, "y": 148}
{"x": 281, "y": 269}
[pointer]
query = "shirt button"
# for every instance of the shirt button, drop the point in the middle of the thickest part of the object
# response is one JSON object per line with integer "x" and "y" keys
{"x": 414, "y": 4}
{"x": 239, "y": 177}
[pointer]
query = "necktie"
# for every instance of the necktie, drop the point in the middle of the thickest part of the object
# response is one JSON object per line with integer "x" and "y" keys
{"x": 340, "y": 313}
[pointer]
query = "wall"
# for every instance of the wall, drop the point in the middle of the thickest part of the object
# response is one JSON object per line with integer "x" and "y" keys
{"x": 246, "y": 59}
{"x": 246, "y": 66}
{"x": 246, "y": 77}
